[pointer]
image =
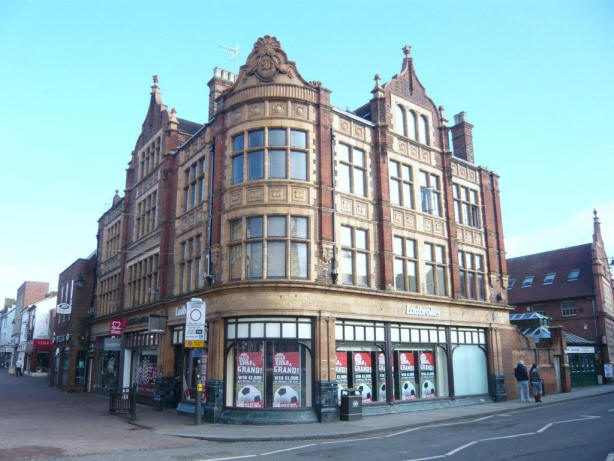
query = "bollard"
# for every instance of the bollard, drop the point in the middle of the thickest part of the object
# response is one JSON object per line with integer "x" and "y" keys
{"x": 132, "y": 396}
{"x": 199, "y": 397}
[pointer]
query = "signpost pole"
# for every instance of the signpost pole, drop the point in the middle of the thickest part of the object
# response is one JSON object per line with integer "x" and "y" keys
{"x": 199, "y": 397}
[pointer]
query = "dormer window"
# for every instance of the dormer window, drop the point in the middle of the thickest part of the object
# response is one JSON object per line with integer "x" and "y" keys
{"x": 573, "y": 275}
{"x": 528, "y": 281}
{"x": 549, "y": 278}
{"x": 510, "y": 284}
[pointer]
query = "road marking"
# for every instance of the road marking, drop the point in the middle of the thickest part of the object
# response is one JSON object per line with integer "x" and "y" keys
{"x": 230, "y": 457}
{"x": 462, "y": 447}
{"x": 610, "y": 455}
{"x": 287, "y": 449}
{"x": 611, "y": 410}
{"x": 437, "y": 425}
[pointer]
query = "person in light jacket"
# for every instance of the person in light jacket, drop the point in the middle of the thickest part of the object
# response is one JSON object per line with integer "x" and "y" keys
{"x": 536, "y": 383}
{"x": 18, "y": 368}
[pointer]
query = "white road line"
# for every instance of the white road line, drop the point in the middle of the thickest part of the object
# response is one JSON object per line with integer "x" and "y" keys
{"x": 611, "y": 410}
{"x": 547, "y": 426}
{"x": 610, "y": 455}
{"x": 507, "y": 436}
{"x": 230, "y": 457}
{"x": 287, "y": 449}
{"x": 425, "y": 459}
{"x": 462, "y": 447}
{"x": 350, "y": 440}
{"x": 438, "y": 425}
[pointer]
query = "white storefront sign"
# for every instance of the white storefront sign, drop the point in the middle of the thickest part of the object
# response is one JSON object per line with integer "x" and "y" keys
{"x": 196, "y": 311}
{"x": 579, "y": 350}
{"x": 419, "y": 311}
{"x": 63, "y": 308}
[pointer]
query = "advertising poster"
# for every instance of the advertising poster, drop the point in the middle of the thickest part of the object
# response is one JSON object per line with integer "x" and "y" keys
{"x": 381, "y": 376}
{"x": 407, "y": 376}
{"x": 363, "y": 372}
{"x": 427, "y": 375}
{"x": 342, "y": 373}
{"x": 250, "y": 379}
{"x": 203, "y": 375}
{"x": 286, "y": 380}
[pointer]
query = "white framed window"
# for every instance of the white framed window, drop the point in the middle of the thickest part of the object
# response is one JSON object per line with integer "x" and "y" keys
{"x": 466, "y": 206}
{"x": 573, "y": 275}
{"x": 568, "y": 309}
{"x": 435, "y": 269}
{"x": 423, "y": 130}
{"x": 471, "y": 275}
{"x": 351, "y": 174}
{"x": 549, "y": 278}
{"x": 399, "y": 120}
{"x": 354, "y": 256}
{"x": 430, "y": 193}
{"x": 411, "y": 125}
{"x": 405, "y": 264}
{"x": 401, "y": 184}
{"x": 528, "y": 281}
{"x": 194, "y": 187}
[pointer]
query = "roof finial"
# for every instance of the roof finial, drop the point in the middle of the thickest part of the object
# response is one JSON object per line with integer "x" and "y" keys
{"x": 377, "y": 79}
{"x": 155, "y": 81}
{"x": 406, "y": 50}
{"x": 378, "y": 91}
{"x": 595, "y": 213}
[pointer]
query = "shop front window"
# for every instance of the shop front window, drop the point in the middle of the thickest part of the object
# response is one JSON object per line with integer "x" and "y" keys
{"x": 470, "y": 370}
{"x": 144, "y": 370}
{"x": 108, "y": 373}
{"x": 195, "y": 363}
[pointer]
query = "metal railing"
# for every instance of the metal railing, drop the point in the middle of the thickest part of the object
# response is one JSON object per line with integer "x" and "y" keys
{"x": 123, "y": 402}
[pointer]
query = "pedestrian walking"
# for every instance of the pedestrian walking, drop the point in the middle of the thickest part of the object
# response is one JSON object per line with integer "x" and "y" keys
{"x": 536, "y": 383}
{"x": 18, "y": 366}
{"x": 522, "y": 376}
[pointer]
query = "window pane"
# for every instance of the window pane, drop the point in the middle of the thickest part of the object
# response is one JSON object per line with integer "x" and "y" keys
{"x": 407, "y": 196}
{"x": 237, "y": 169}
{"x": 361, "y": 239}
{"x": 406, "y": 170}
{"x": 237, "y": 143}
{"x": 343, "y": 152}
{"x": 395, "y": 197}
{"x": 298, "y": 227}
{"x": 441, "y": 281}
{"x": 361, "y": 269}
{"x": 412, "y": 279}
{"x": 277, "y": 164}
{"x": 298, "y": 138}
{"x": 288, "y": 330}
{"x": 276, "y": 259}
{"x": 346, "y": 267}
{"x": 394, "y": 168}
{"x": 298, "y": 260}
{"x": 253, "y": 260}
{"x": 439, "y": 254}
{"x": 358, "y": 157}
{"x": 235, "y": 262}
{"x": 480, "y": 283}
{"x": 359, "y": 181}
{"x": 463, "y": 282}
{"x": 410, "y": 248}
{"x": 346, "y": 236}
{"x": 276, "y": 226}
{"x": 277, "y": 137}
{"x": 397, "y": 246}
{"x": 256, "y": 138}
{"x": 430, "y": 280}
{"x": 236, "y": 229}
{"x": 343, "y": 181}
{"x": 254, "y": 227}
{"x": 411, "y": 125}
{"x": 399, "y": 277}
{"x": 428, "y": 252}
{"x": 471, "y": 283}
{"x": 298, "y": 166}
{"x": 255, "y": 165}
{"x": 427, "y": 199}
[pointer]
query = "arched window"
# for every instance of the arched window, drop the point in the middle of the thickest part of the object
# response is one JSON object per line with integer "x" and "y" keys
{"x": 423, "y": 130}
{"x": 411, "y": 124}
{"x": 399, "y": 120}
{"x": 470, "y": 370}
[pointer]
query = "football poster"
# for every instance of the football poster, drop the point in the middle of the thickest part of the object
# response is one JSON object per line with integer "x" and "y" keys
{"x": 407, "y": 376}
{"x": 363, "y": 372}
{"x": 381, "y": 377}
{"x": 427, "y": 375}
{"x": 341, "y": 367}
{"x": 286, "y": 380}
{"x": 203, "y": 375}
{"x": 250, "y": 379}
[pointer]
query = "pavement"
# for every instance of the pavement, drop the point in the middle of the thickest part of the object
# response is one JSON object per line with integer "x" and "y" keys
{"x": 82, "y": 411}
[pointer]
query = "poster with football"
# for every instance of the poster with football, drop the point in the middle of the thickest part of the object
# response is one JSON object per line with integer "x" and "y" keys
{"x": 250, "y": 379}
{"x": 381, "y": 376}
{"x": 363, "y": 372}
{"x": 427, "y": 375}
{"x": 407, "y": 376}
{"x": 341, "y": 367}
{"x": 286, "y": 380}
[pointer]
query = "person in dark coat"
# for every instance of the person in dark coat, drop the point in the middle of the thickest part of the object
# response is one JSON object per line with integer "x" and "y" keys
{"x": 522, "y": 376}
{"x": 536, "y": 383}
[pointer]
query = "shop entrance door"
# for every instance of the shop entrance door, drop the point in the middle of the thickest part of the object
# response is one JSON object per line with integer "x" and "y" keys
{"x": 582, "y": 368}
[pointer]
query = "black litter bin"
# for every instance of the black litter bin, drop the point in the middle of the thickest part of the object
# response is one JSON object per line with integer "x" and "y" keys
{"x": 351, "y": 405}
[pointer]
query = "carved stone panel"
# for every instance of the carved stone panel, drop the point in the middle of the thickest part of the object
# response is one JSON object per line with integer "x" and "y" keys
{"x": 397, "y": 217}
{"x": 236, "y": 197}
{"x": 300, "y": 110}
{"x": 255, "y": 194}
{"x": 413, "y": 152}
{"x": 191, "y": 219}
{"x": 344, "y": 126}
{"x": 278, "y": 108}
{"x": 345, "y": 205}
{"x": 255, "y": 110}
{"x": 359, "y": 132}
{"x": 278, "y": 194}
{"x": 360, "y": 209}
{"x": 427, "y": 225}
{"x": 438, "y": 228}
{"x": 300, "y": 194}
{"x": 236, "y": 115}
{"x": 410, "y": 220}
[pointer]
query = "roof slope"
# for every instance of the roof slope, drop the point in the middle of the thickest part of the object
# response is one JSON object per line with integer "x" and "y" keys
{"x": 561, "y": 262}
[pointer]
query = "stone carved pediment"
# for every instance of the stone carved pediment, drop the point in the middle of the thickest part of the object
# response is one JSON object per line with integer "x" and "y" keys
{"x": 268, "y": 59}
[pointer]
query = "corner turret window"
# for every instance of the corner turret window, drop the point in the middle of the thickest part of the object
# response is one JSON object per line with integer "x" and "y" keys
{"x": 273, "y": 153}
{"x": 423, "y": 130}
{"x": 399, "y": 120}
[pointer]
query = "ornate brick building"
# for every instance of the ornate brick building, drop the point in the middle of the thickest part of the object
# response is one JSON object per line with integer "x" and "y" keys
{"x": 334, "y": 249}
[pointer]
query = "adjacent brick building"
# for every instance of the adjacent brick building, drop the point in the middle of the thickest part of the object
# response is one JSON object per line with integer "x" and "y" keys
{"x": 333, "y": 249}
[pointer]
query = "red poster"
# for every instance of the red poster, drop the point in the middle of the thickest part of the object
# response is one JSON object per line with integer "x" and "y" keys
{"x": 286, "y": 380}
{"x": 342, "y": 373}
{"x": 407, "y": 375}
{"x": 363, "y": 372}
{"x": 427, "y": 375}
{"x": 250, "y": 379}
{"x": 116, "y": 327}
{"x": 381, "y": 377}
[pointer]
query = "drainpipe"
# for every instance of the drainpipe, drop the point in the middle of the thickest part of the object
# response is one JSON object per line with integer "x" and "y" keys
{"x": 209, "y": 275}
{"x": 334, "y": 274}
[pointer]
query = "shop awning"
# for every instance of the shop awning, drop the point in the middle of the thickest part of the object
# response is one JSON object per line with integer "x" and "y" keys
{"x": 577, "y": 340}
{"x": 527, "y": 316}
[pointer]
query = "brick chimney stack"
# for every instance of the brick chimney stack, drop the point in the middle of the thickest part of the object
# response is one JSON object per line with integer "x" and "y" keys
{"x": 462, "y": 137}
{"x": 222, "y": 80}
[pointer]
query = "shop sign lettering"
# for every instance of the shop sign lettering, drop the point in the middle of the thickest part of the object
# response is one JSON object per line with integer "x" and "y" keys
{"x": 419, "y": 311}
{"x": 579, "y": 350}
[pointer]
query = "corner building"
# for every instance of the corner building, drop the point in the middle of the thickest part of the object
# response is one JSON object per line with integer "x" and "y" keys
{"x": 334, "y": 250}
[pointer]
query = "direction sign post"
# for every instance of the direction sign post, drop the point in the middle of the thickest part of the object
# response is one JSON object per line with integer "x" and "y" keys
{"x": 196, "y": 311}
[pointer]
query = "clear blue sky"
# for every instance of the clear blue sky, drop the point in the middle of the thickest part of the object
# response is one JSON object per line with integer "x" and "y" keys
{"x": 536, "y": 79}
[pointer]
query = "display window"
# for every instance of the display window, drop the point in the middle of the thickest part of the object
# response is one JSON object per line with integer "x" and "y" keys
{"x": 363, "y": 370}
{"x": 195, "y": 363}
{"x": 250, "y": 375}
{"x": 286, "y": 378}
{"x": 407, "y": 375}
{"x": 341, "y": 367}
{"x": 108, "y": 373}
{"x": 427, "y": 374}
{"x": 144, "y": 370}
{"x": 363, "y": 375}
